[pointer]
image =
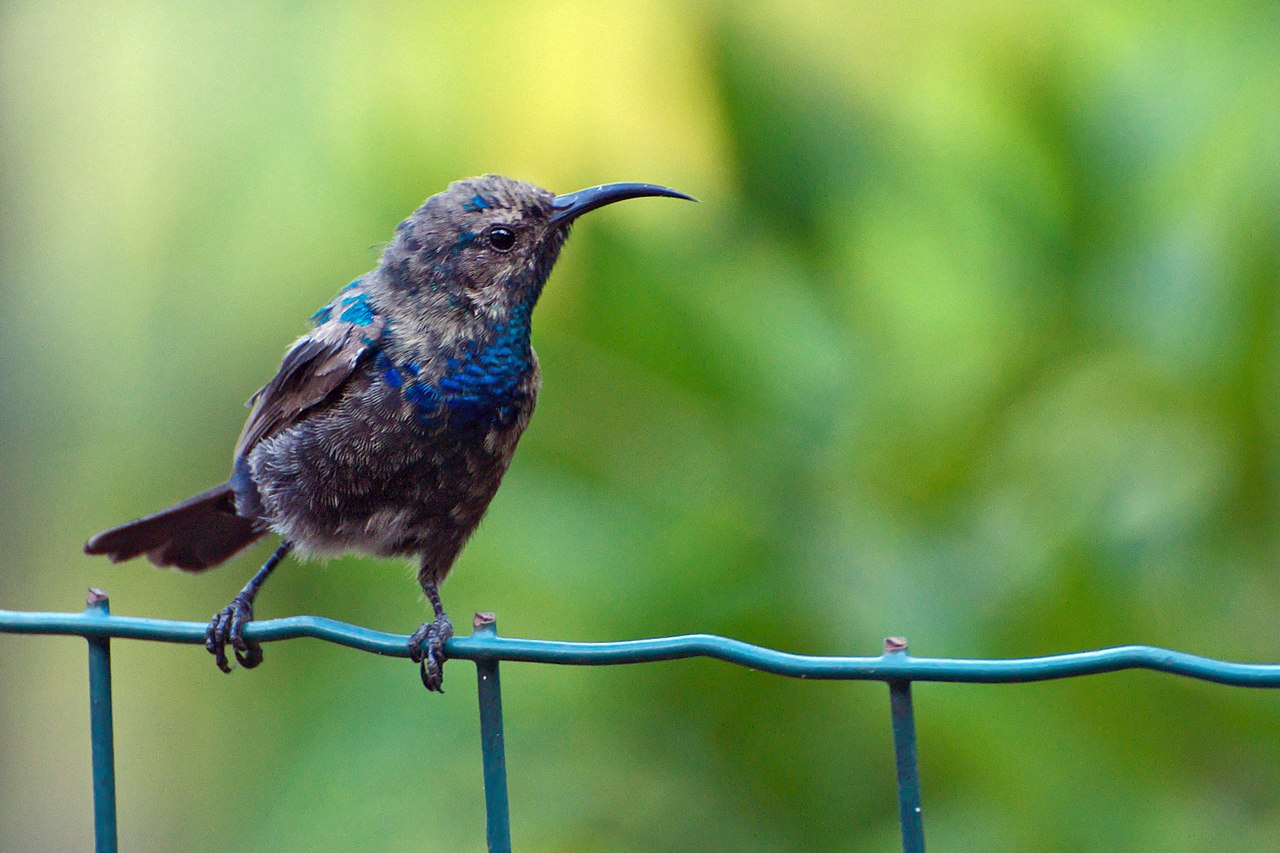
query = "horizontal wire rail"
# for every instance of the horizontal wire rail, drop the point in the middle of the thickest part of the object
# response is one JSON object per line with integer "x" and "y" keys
{"x": 486, "y": 648}
{"x": 891, "y": 666}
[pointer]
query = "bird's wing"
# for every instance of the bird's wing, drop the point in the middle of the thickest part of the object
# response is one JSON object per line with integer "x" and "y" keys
{"x": 315, "y": 366}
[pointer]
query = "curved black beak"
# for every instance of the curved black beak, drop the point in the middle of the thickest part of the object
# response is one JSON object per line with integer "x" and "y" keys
{"x": 570, "y": 206}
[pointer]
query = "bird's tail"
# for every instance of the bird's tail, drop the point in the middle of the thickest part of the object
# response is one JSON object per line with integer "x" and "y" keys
{"x": 196, "y": 534}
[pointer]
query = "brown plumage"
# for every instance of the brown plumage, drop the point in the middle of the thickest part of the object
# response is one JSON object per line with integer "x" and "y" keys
{"x": 194, "y": 535}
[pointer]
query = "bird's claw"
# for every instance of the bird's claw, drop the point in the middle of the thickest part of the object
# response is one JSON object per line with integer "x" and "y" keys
{"x": 227, "y": 627}
{"x": 426, "y": 647}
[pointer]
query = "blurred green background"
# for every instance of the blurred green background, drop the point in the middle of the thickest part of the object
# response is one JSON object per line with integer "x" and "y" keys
{"x": 973, "y": 338}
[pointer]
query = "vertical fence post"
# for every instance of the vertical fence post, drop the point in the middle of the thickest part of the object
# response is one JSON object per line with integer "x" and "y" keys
{"x": 904, "y": 749}
{"x": 497, "y": 811}
{"x": 102, "y": 732}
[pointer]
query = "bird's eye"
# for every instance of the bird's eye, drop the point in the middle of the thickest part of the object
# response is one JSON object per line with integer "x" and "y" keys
{"x": 502, "y": 238}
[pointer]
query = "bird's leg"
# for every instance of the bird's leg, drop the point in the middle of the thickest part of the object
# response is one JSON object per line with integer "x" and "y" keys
{"x": 227, "y": 625}
{"x": 426, "y": 646}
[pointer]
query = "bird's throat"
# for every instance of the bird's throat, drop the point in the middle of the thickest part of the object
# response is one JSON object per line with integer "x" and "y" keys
{"x": 477, "y": 382}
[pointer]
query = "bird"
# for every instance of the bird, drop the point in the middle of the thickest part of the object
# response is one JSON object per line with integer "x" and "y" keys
{"x": 391, "y": 422}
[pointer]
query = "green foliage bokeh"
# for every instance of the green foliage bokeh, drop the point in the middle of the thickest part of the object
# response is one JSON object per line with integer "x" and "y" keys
{"x": 973, "y": 338}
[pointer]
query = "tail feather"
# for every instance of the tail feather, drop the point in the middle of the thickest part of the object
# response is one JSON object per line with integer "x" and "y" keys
{"x": 196, "y": 534}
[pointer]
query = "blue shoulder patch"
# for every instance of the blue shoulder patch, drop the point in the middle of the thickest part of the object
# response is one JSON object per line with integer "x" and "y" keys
{"x": 357, "y": 310}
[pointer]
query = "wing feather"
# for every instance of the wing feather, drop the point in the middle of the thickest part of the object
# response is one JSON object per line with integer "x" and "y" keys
{"x": 315, "y": 367}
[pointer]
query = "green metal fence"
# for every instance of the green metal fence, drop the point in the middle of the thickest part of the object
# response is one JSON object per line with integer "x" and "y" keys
{"x": 486, "y": 648}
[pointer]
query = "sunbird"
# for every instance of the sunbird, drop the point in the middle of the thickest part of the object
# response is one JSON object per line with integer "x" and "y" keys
{"x": 390, "y": 424}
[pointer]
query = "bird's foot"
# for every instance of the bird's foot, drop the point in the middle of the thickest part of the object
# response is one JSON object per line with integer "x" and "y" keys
{"x": 227, "y": 627}
{"x": 426, "y": 647}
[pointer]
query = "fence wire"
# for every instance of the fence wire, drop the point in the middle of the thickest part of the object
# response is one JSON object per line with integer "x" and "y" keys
{"x": 895, "y": 666}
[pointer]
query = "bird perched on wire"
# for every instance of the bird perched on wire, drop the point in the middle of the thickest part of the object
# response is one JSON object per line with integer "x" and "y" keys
{"x": 391, "y": 423}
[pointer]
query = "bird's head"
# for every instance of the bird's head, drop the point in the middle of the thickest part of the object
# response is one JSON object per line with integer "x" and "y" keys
{"x": 486, "y": 245}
